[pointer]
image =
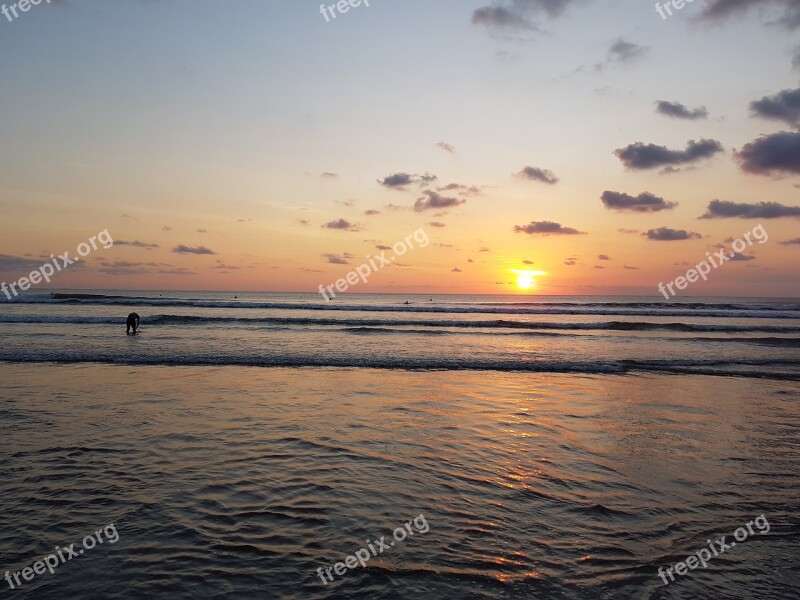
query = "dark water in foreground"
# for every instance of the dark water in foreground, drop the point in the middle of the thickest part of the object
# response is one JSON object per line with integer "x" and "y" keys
{"x": 236, "y": 482}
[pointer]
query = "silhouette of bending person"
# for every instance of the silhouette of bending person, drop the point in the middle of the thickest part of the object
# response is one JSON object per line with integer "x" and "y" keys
{"x": 133, "y": 322}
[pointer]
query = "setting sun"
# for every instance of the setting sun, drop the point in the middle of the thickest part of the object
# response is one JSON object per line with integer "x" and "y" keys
{"x": 526, "y": 279}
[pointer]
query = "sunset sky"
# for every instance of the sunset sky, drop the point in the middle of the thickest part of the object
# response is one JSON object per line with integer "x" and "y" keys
{"x": 253, "y": 145}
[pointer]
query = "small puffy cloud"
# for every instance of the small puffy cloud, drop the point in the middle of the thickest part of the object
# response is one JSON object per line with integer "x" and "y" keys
{"x": 336, "y": 259}
{"x": 628, "y": 231}
{"x": 677, "y": 110}
{"x": 623, "y": 51}
{"x": 499, "y": 18}
{"x": 304, "y": 222}
{"x": 401, "y": 181}
{"x": 665, "y": 234}
{"x": 643, "y": 203}
{"x": 437, "y": 224}
{"x": 446, "y": 147}
{"x": 434, "y": 200}
{"x": 456, "y": 270}
{"x": 793, "y": 242}
{"x": 537, "y": 174}
{"x": 783, "y": 106}
{"x": 649, "y": 156}
{"x": 328, "y": 175}
{"x": 741, "y": 257}
{"x": 527, "y": 262}
{"x": 724, "y": 209}
{"x": 182, "y": 249}
{"x": 771, "y": 154}
{"x": 136, "y": 244}
{"x": 383, "y": 247}
{"x": 603, "y": 257}
{"x": 787, "y": 11}
{"x": 372, "y": 212}
{"x": 629, "y": 268}
{"x": 341, "y": 225}
{"x": 546, "y": 228}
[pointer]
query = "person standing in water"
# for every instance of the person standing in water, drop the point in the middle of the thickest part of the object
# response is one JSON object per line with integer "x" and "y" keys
{"x": 133, "y": 322}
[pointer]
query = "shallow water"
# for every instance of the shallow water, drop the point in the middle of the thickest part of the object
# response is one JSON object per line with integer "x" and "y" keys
{"x": 240, "y": 482}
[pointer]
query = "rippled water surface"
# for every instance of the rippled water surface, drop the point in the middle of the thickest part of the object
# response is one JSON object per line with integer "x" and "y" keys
{"x": 240, "y": 482}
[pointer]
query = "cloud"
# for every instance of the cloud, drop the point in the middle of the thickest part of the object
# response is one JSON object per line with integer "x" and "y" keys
{"x": 603, "y": 257}
{"x": 783, "y": 106}
{"x": 181, "y": 249}
{"x": 467, "y": 190}
{"x": 571, "y": 262}
{"x": 338, "y": 259}
{"x": 456, "y": 270}
{"x": 328, "y": 175}
{"x": 202, "y": 231}
{"x": 437, "y": 224}
{"x": 446, "y": 147}
{"x": 401, "y": 181}
{"x": 740, "y": 257}
{"x": 372, "y": 212}
{"x": 527, "y": 262}
{"x": 665, "y": 234}
{"x": 623, "y": 51}
{"x": 546, "y": 228}
{"x": 630, "y": 231}
{"x": 796, "y": 58}
{"x": 537, "y": 174}
{"x": 304, "y": 222}
{"x": 16, "y": 263}
{"x": 125, "y": 268}
{"x": 631, "y": 268}
{"x": 341, "y": 225}
{"x": 771, "y": 154}
{"x": 649, "y": 156}
{"x": 433, "y": 200}
{"x": 724, "y": 209}
{"x": 794, "y": 242}
{"x": 680, "y": 111}
{"x": 643, "y": 203}
{"x": 136, "y": 244}
{"x": 383, "y": 247}
{"x": 518, "y": 16}
{"x": 719, "y": 10}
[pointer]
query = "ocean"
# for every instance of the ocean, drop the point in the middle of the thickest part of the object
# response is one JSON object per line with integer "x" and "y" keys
{"x": 554, "y": 447}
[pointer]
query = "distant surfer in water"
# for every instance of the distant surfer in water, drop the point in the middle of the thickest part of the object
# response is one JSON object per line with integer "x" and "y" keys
{"x": 133, "y": 323}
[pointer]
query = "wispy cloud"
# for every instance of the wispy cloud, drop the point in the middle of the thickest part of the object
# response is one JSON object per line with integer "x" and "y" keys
{"x": 546, "y": 228}
{"x": 722, "y": 209}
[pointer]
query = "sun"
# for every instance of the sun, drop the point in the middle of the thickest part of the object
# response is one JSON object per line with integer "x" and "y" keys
{"x": 525, "y": 281}
{"x": 526, "y": 278}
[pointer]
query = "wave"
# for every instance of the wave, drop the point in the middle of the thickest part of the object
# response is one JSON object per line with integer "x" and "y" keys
{"x": 391, "y": 325}
{"x": 765, "y": 369}
{"x": 356, "y": 325}
{"x": 714, "y": 310}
